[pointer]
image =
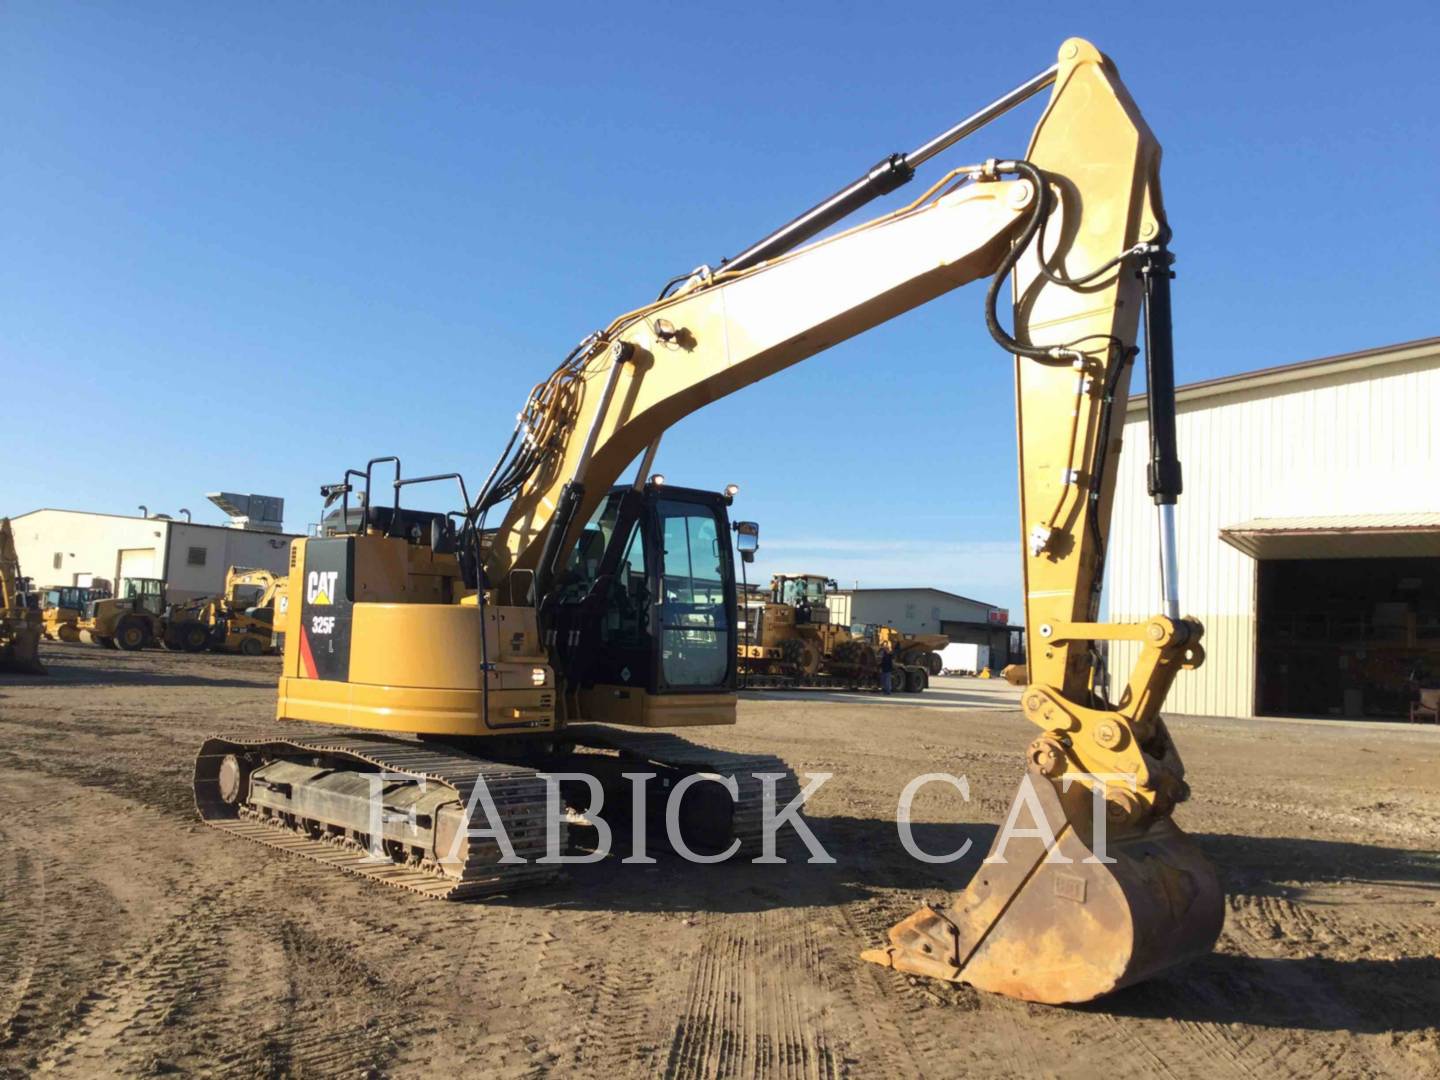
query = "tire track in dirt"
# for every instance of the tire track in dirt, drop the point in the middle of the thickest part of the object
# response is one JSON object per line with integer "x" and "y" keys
{"x": 872, "y": 990}
{"x": 53, "y": 969}
{"x": 256, "y": 989}
{"x": 754, "y": 1004}
{"x": 22, "y": 911}
{"x": 110, "y": 983}
{"x": 1248, "y": 975}
{"x": 615, "y": 1037}
{"x": 337, "y": 1020}
{"x": 143, "y": 992}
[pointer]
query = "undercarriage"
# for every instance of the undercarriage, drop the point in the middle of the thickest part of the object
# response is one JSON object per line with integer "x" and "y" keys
{"x": 447, "y": 821}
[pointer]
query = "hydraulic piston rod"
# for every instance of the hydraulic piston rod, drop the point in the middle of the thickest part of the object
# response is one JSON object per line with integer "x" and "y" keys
{"x": 1163, "y": 473}
{"x": 883, "y": 178}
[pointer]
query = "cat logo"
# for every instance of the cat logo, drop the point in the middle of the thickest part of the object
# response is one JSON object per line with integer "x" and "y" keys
{"x": 320, "y": 586}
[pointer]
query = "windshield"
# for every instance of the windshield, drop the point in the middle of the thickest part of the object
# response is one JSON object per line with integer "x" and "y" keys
{"x": 809, "y": 590}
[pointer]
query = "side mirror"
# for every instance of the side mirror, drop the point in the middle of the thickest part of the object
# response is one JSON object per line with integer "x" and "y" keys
{"x": 747, "y": 539}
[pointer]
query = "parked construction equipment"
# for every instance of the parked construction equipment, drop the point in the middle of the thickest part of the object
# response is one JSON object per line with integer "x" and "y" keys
{"x": 20, "y": 620}
{"x": 139, "y": 618}
{"x": 594, "y": 610}
{"x": 239, "y": 620}
{"x": 63, "y": 607}
{"x": 790, "y": 641}
{"x": 912, "y": 650}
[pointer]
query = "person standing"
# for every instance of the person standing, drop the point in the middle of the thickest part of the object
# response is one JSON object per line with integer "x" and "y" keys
{"x": 887, "y": 668}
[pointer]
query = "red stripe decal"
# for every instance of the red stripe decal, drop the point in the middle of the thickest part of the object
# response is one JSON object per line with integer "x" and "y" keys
{"x": 306, "y": 659}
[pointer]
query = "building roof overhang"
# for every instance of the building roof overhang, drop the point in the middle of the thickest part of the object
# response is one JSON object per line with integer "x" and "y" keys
{"x": 1341, "y": 536}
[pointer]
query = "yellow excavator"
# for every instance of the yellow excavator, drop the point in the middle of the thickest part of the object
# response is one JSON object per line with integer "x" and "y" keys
{"x": 20, "y": 621}
{"x": 464, "y": 659}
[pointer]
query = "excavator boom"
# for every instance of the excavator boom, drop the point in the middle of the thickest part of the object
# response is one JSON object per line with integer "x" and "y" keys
{"x": 654, "y": 366}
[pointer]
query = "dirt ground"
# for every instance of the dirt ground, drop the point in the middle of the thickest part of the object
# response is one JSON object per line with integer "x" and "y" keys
{"x": 134, "y": 940}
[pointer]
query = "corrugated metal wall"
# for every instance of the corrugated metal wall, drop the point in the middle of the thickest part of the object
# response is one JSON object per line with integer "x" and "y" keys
{"x": 1334, "y": 442}
{"x": 916, "y": 611}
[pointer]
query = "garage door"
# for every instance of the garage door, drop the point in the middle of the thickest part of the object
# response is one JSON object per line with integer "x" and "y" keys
{"x": 136, "y": 563}
{"x": 1346, "y": 637}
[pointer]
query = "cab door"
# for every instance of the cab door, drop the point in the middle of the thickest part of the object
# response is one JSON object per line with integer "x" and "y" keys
{"x": 695, "y": 602}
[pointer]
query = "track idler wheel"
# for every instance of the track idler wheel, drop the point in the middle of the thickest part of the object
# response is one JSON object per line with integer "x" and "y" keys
{"x": 1065, "y": 932}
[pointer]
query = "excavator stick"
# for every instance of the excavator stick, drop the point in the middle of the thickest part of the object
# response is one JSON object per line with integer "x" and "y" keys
{"x": 1054, "y": 924}
{"x": 1050, "y": 916}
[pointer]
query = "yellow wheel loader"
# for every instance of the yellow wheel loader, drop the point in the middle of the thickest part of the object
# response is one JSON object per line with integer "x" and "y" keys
{"x": 458, "y": 659}
{"x": 20, "y": 621}
{"x": 249, "y": 610}
{"x": 63, "y": 608}
{"x": 140, "y": 618}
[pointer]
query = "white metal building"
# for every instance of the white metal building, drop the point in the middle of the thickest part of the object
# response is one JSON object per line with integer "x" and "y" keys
{"x": 74, "y": 547}
{"x": 1309, "y": 535}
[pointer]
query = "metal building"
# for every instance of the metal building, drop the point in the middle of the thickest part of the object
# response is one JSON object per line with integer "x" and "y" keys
{"x": 1309, "y": 536}
{"x": 74, "y": 547}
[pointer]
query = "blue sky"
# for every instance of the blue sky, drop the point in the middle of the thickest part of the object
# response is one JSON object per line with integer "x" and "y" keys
{"x": 249, "y": 245}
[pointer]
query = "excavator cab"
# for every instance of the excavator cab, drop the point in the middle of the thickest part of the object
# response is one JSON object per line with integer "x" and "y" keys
{"x": 645, "y": 606}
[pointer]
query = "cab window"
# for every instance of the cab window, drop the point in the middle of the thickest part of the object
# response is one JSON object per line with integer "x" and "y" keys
{"x": 627, "y": 616}
{"x": 583, "y": 565}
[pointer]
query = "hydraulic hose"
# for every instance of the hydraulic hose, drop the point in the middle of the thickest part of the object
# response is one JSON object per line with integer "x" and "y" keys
{"x": 1035, "y": 230}
{"x": 1033, "y": 224}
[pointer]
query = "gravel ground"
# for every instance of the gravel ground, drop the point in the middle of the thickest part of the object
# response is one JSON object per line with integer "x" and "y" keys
{"x": 133, "y": 940}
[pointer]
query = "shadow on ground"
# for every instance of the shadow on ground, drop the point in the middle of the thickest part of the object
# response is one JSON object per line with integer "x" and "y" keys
{"x": 1312, "y": 993}
{"x": 1283, "y": 865}
{"x": 71, "y": 667}
{"x": 869, "y": 856}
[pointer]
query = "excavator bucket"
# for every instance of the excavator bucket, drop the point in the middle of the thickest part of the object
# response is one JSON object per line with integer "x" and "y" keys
{"x": 1053, "y": 924}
